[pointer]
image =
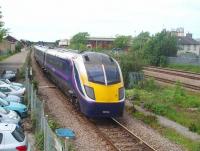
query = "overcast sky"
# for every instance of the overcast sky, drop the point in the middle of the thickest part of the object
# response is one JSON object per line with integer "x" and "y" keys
{"x": 50, "y": 20}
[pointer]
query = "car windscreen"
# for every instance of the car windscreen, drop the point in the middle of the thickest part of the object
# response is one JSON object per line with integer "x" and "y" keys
{"x": 15, "y": 88}
{"x": 4, "y": 111}
{"x": 2, "y": 95}
{"x": 4, "y": 102}
{"x": 7, "y": 81}
{"x": 18, "y": 134}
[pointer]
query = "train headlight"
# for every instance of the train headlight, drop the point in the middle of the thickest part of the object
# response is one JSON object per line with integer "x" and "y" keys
{"x": 90, "y": 92}
{"x": 121, "y": 93}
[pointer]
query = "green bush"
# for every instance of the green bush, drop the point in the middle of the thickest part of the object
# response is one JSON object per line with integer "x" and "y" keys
{"x": 147, "y": 84}
{"x": 129, "y": 62}
{"x": 18, "y": 47}
{"x": 179, "y": 93}
{"x": 53, "y": 124}
{"x": 147, "y": 119}
{"x": 157, "y": 108}
{"x": 39, "y": 137}
{"x": 193, "y": 127}
{"x": 35, "y": 84}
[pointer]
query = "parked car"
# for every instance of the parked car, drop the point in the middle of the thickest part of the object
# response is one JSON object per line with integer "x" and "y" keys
{"x": 12, "y": 138}
{"x": 7, "y": 81}
{"x": 9, "y": 74}
{"x": 14, "y": 90}
{"x": 10, "y": 97}
{"x": 9, "y": 116}
{"x": 21, "y": 109}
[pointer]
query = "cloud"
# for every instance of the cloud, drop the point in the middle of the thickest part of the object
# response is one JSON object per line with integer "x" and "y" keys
{"x": 53, "y": 19}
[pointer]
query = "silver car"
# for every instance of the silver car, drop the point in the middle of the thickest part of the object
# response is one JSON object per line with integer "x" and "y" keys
{"x": 14, "y": 90}
{"x": 10, "y": 98}
{"x": 12, "y": 83}
{"x": 12, "y": 138}
{"x": 8, "y": 116}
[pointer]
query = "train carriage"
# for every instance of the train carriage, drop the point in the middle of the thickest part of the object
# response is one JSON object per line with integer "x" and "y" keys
{"x": 93, "y": 79}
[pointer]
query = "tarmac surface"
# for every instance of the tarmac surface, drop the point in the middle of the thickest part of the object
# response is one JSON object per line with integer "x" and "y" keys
{"x": 14, "y": 62}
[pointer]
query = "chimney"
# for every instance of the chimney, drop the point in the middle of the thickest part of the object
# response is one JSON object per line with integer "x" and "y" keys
{"x": 189, "y": 35}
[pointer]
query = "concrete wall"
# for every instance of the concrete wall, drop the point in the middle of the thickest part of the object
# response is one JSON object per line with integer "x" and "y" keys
{"x": 190, "y": 48}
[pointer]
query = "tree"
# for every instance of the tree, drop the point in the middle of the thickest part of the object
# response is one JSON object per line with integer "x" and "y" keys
{"x": 3, "y": 31}
{"x": 79, "y": 41}
{"x": 122, "y": 41}
{"x": 130, "y": 61}
{"x": 159, "y": 47}
{"x": 57, "y": 42}
{"x": 140, "y": 41}
{"x": 18, "y": 47}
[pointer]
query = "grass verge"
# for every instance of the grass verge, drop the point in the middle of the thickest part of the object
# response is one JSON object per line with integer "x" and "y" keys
{"x": 168, "y": 133}
{"x": 172, "y": 102}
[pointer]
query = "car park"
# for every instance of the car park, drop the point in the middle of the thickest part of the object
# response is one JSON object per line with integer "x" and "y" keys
{"x": 21, "y": 109}
{"x": 14, "y": 90}
{"x": 9, "y": 116}
{"x": 12, "y": 138}
{"x": 10, "y": 97}
{"x": 7, "y": 81}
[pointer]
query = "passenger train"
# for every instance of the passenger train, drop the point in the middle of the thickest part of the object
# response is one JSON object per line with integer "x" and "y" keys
{"x": 94, "y": 80}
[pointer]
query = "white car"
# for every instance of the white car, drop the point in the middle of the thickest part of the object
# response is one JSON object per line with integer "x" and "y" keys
{"x": 14, "y": 90}
{"x": 12, "y": 138}
{"x": 9, "y": 116}
{"x": 10, "y": 97}
{"x": 6, "y": 81}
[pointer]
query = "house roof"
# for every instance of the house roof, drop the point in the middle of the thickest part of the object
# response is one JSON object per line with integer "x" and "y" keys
{"x": 11, "y": 39}
{"x": 185, "y": 40}
{"x": 101, "y": 39}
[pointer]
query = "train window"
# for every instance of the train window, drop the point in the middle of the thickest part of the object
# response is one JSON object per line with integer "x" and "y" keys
{"x": 78, "y": 80}
{"x": 66, "y": 67}
{"x": 95, "y": 73}
{"x": 112, "y": 74}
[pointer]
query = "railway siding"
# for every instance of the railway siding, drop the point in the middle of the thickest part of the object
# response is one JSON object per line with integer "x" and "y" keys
{"x": 191, "y": 81}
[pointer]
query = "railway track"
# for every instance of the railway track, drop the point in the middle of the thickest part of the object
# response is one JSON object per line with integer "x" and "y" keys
{"x": 185, "y": 74}
{"x": 189, "y": 86}
{"x": 193, "y": 84}
{"x": 120, "y": 138}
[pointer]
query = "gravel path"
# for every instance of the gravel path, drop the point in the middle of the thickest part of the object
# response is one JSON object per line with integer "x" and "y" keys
{"x": 14, "y": 62}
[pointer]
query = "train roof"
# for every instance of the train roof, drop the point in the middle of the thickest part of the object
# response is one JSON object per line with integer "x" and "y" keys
{"x": 69, "y": 53}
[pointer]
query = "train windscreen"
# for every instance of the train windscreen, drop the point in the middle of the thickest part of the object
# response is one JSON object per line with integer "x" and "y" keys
{"x": 101, "y": 69}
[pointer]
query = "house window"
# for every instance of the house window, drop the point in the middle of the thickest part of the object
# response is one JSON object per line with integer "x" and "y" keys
{"x": 188, "y": 48}
{"x": 195, "y": 47}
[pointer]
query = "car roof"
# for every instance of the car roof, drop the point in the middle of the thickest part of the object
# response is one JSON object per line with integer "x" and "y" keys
{"x": 7, "y": 127}
{"x": 4, "y": 85}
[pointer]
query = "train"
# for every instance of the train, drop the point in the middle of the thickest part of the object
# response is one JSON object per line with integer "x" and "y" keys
{"x": 93, "y": 80}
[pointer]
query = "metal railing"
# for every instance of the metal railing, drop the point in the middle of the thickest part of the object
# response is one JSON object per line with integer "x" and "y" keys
{"x": 36, "y": 106}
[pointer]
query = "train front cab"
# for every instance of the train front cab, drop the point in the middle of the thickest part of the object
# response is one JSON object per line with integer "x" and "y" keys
{"x": 102, "y": 93}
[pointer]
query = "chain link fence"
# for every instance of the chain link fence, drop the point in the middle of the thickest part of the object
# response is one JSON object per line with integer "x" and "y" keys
{"x": 36, "y": 106}
{"x": 184, "y": 60}
{"x": 134, "y": 78}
